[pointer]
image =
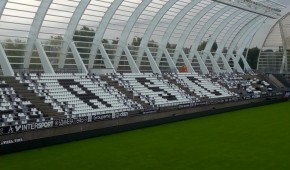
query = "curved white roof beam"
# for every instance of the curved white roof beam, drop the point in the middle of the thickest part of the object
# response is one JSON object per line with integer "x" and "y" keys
{"x": 230, "y": 32}
{"x": 5, "y": 65}
{"x": 102, "y": 29}
{"x": 150, "y": 29}
{"x": 202, "y": 33}
{"x": 216, "y": 33}
{"x": 34, "y": 30}
{"x": 245, "y": 31}
{"x": 227, "y": 37}
{"x": 2, "y": 6}
{"x": 246, "y": 41}
{"x": 127, "y": 30}
{"x": 188, "y": 29}
{"x": 70, "y": 30}
{"x": 284, "y": 65}
{"x": 219, "y": 29}
{"x": 224, "y": 40}
{"x": 171, "y": 27}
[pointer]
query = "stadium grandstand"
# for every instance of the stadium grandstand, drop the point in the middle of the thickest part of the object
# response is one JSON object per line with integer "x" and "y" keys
{"x": 92, "y": 67}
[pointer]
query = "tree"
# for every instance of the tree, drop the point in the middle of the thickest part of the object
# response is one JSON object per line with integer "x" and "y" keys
{"x": 105, "y": 41}
{"x": 214, "y": 47}
{"x": 136, "y": 41}
{"x": 152, "y": 43}
{"x": 83, "y": 39}
{"x": 115, "y": 41}
{"x": 53, "y": 47}
{"x": 225, "y": 50}
{"x": 252, "y": 58}
{"x": 201, "y": 46}
{"x": 14, "y": 49}
{"x": 170, "y": 46}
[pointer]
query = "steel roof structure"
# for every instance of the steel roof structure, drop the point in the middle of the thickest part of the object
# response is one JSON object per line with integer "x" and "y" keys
{"x": 130, "y": 35}
{"x": 275, "y": 54}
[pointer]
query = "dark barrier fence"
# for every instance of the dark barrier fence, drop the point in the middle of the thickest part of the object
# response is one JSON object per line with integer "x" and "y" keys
{"x": 18, "y": 144}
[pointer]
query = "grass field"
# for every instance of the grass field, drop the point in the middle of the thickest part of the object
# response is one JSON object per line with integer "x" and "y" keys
{"x": 255, "y": 138}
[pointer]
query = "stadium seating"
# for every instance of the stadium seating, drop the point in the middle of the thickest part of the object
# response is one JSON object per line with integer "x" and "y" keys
{"x": 78, "y": 95}
{"x": 75, "y": 95}
{"x": 200, "y": 86}
{"x": 14, "y": 109}
{"x": 153, "y": 89}
{"x": 242, "y": 84}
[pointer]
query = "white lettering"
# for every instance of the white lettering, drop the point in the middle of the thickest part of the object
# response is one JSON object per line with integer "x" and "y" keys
{"x": 18, "y": 128}
{"x": 10, "y": 130}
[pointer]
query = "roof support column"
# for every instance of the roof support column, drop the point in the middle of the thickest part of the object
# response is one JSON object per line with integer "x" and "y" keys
{"x": 186, "y": 62}
{"x": 284, "y": 65}
{"x": 101, "y": 31}
{"x": 243, "y": 33}
{"x": 79, "y": 62}
{"x": 213, "y": 37}
{"x": 225, "y": 39}
{"x": 70, "y": 30}
{"x": 186, "y": 33}
{"x": 106, "y": 58}
{"x": 127, "y": 30}
{"x": 2, "y": 6}
{"x": 43, "y": 58}
{"x": 202, "y": 66}
{"x": 170, "y": 61}
{"x": 152, "y": 62}
{"x": 5, "y": 64}
{"x": 171, "y": 27}
{"x": 150, "y": 29}
{"x": 34, "y": 30}
{"x": 254, "y": 23}
{"x": 131, "y": 61}
{"x": 202, "y": 33}
{"x": 246, "y": 40}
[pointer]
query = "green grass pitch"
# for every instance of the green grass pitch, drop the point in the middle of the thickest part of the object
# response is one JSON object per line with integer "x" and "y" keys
{"x": 255, "y": 138}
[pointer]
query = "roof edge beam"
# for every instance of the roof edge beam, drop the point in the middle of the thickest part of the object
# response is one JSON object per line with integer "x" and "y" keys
{"x": 254, "y": 7}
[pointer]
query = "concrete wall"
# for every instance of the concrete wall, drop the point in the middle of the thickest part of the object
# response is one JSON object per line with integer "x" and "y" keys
{"x": 44, "y": 137}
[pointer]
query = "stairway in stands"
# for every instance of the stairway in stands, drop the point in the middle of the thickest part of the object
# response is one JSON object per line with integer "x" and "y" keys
{"x": 281, "y": 78}
{"x": 35, "y": 100}
{"x": 129, "y": 94}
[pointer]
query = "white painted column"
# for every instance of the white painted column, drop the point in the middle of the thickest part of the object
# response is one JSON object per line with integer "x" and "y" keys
{"x": 43, "y": 58}
{"x": 97, "y": 41}
{"x": 5, "y": 64}
{"x": 216, "y": 33}
{"x": 150, "y": 29}
{"x": 202, "y": 33}
{"x": 2, "y": 6}
{"x": 127, "y": 30}
{"x": 78, "y": 60}
{"x": 70, "y": 30}
{"x": 186, "y": 32}
{"x": 34, "y": 30}
{"x": 171, "y": 27}
{"x": 152, "y": 62}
